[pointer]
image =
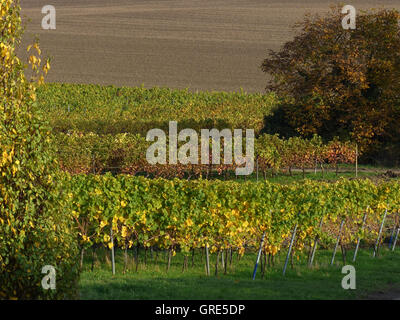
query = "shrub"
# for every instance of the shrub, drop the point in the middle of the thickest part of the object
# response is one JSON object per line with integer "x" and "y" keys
{"x": 35, "y": 224}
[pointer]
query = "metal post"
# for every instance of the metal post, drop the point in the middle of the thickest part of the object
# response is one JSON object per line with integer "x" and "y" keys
{"x": 112, "y": 251}
{"x": 395, "y": 239}
{"x": 314, "y": 249}
{"x": 290, "y": 248}
{"x": 359, "y": 238}
{"x": 337, "y": 241}
{"x": 379, "y": 234}
{"x": 259, "y": 255}
{"x": 207, "y": 260}
{"x": 391, "y": 236}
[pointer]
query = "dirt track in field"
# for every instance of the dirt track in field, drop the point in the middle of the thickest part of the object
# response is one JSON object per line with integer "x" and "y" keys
{"x": 196, "y": 44}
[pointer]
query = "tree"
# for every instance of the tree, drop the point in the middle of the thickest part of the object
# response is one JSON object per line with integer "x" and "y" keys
{"x": 338, "y": 82}
{"x": 35, "y": 224}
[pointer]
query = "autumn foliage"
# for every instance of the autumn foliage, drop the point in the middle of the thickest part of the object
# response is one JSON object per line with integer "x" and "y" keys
{"x": 338, "y": 82}
{"x": 35, "y": 224}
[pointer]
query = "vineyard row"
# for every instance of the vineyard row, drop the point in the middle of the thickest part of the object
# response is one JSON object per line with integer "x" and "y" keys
{"x": 126, "y": 153}
{"x": 112, "y": 110}
{"x": 124, "y": 211}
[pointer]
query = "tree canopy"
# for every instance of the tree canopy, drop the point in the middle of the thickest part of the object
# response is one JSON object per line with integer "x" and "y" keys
{"x": 338, "y": 82}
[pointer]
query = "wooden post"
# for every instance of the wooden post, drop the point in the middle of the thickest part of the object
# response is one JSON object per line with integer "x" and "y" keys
{"x": 314, "y": 249}
{"x": 226, "y": 261}
{"x": 93, "y": 165}
{"x": 126, "y": 256}
{"x": 356, "y": 160}
{"x": 169, "y": 259}
{"x": 257, "y": 168}
{"x": 207, "y": 261}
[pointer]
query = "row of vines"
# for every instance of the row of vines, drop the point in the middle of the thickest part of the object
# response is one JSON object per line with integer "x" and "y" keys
{"x": 112, "y": 110}
{"x": 126, "y": 153}
{"x": 124, "y": 211}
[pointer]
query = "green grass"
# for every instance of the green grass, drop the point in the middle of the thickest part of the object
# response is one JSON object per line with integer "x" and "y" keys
{"x": 297, "y": 175}
{"x": 321, "y": 282}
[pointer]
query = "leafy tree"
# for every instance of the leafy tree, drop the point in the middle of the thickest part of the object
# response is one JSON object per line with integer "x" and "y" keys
{"x": 338, "y": 82}
{"x": 35, "y": 224}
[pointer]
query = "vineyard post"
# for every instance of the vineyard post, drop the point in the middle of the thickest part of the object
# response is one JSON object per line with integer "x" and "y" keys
{"x": 82, "y": 256}
{"x": 169, "y": 258}
{"x": 356, "y": 160}
{"x": 314, "y": 249}
{"x": 93, "y": 164}
{"x": 93, "y": 256}
{"x": 258, "y": 255}
{"x": 359, "y": 238}
{"x": 216, "y": 262}
{"x": 290, "y": 248}
{"x": 257, "y": 168}
{"x": 379, "y": 234}
{"x": 395, "y": 239}
{"x": 337, "y": 241}
{"x": 222, "y": 260}
{"x": 112, "y": 251}
{"x": 315, "y": 167}
{"x": 226, "y": 261}
{"x": 207, "y": 260}
{"x": 392, "y": 235}
{"x": 322, "y": 170}
{"x": 126, "y": 256}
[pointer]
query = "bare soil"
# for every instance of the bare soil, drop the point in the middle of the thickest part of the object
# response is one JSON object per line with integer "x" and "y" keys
{"x": 195, "y": 44}
{"x": 391, "y": 293}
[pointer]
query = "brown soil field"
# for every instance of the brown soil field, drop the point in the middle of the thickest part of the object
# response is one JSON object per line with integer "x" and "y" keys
{"x": 195, "y": 44}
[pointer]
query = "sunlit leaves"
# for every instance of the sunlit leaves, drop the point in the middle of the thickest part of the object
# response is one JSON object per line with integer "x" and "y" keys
{"x": 190, "y": 214}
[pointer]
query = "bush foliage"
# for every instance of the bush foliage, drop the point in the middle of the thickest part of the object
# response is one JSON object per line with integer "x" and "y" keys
{"x": 35, "y": 224}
